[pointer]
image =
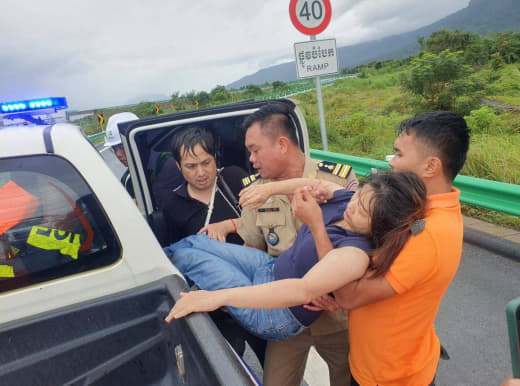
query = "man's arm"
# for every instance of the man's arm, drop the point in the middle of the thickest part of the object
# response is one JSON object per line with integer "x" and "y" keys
{"x": 254, "y": 196}
{"x": 363, "y": 291}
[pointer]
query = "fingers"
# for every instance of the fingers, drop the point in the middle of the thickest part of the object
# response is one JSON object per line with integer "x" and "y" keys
{"x": 203, "y": 230}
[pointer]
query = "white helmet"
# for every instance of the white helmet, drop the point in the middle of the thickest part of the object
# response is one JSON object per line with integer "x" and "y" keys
{"x": 112, "y": 136}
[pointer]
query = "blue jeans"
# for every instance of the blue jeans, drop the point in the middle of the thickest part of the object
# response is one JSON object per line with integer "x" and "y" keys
{"x": 214, "y": 265}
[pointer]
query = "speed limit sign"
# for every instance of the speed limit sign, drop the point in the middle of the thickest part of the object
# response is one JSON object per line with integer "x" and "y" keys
{"x": 310, "y": 16}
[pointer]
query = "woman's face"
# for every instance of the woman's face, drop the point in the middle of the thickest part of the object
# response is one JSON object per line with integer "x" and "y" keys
{"x": 357, "y": 215}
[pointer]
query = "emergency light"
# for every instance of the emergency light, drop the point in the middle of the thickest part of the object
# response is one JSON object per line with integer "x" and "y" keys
{"x": 56, "y": 104}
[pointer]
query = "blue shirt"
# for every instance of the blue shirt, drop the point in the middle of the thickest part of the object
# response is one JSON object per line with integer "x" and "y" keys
{"x": 296, "y": 261}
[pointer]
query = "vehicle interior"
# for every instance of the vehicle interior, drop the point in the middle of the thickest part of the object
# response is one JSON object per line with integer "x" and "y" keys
{"x": 154, "y": 146}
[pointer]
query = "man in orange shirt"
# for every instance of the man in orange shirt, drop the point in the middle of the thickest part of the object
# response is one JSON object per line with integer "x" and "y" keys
{"x": 391, "y": 318}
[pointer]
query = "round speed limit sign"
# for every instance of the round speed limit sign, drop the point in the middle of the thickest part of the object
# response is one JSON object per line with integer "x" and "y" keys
{"x": 310, "y": 16}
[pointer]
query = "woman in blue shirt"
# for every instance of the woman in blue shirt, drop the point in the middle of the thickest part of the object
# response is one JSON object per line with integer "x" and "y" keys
{"x": 334, "y": 247}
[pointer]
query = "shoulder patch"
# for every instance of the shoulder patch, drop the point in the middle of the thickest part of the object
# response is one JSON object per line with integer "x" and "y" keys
{"x": 334, "y": 168}
{"x": 250, "y": 179}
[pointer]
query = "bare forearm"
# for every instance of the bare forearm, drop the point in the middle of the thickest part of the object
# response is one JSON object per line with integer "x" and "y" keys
{"x": 289, "y": 186}
{"x": 276, "y": 294}
{"x": 363, "y": 291}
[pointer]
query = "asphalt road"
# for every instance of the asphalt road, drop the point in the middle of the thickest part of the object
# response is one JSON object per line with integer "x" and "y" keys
{"x": 471, "y": 320}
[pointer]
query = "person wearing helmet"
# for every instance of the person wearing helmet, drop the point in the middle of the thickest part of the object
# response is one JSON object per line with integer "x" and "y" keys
{"x": 165, "y": 175}
{"x": 112, "y": 137}
{"x": 113, "y": 140}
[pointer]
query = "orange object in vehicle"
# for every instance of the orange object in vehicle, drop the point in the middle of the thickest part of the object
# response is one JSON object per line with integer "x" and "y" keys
{"x": 16, "y": 205}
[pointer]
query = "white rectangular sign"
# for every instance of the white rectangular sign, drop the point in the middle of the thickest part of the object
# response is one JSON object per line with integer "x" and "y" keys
{"x": 316, "y": 58}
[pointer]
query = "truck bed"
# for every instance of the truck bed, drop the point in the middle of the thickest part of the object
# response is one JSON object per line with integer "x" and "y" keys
{"x": 119, "y": 340}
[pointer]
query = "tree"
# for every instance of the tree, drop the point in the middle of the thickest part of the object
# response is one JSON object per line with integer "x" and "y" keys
{"x": 220, "y": 95}
{"x": 253, "y": 90}
{"x": 279, "y": 85}
{"x": 439, "y": 79}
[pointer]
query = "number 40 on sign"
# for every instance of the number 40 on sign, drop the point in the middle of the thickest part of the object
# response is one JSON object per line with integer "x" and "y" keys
{"x": 310, "y": 17}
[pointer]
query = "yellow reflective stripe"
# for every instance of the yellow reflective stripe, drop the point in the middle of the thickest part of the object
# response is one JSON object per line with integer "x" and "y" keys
{"x": 6, "y": 271}
{"x": 336, "y": 169}
{"x": 66, "y": 242}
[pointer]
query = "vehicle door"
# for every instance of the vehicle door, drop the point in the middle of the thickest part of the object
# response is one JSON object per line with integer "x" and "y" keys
{"x": 147, "y": 143}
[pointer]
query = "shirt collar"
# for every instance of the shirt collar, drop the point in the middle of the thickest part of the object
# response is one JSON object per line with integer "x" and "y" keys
{"x": 443, "y": 200}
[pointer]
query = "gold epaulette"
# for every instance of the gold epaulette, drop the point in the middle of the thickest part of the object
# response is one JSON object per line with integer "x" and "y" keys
{"x": 250, "y": 179}
{"x": 337, "y": 169}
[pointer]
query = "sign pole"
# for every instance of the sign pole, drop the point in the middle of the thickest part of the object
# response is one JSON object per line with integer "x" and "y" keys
{"x": 321, "y": 111}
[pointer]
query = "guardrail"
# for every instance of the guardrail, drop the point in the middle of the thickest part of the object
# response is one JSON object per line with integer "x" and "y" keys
{"x": 476, "y": 191}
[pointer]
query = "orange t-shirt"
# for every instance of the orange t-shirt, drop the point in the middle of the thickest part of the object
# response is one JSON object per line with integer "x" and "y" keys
{"x": 393, "y": 342}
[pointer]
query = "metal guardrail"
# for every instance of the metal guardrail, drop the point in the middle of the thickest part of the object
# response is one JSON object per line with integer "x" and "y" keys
{"x": 493, "y": 195}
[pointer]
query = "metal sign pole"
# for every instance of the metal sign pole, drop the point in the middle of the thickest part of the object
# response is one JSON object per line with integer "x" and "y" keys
{"x": 321, "y": 112}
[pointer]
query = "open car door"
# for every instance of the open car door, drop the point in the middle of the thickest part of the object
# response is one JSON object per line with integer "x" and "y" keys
{"x": 147, "y": 143}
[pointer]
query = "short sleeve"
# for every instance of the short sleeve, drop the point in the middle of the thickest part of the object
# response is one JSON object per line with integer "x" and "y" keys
{"x": 415, "y": 263}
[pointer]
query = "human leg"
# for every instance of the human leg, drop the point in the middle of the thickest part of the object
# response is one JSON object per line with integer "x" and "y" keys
{"x": 245, "y": 259}
{"x": 285, "y": 360}
{"x": 334, "y": 349}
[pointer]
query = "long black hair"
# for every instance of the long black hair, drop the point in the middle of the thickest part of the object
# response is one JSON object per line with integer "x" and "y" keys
{"x": 397, "y": 203}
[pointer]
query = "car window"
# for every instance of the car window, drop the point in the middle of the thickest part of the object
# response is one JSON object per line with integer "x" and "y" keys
{"x": 51, "y": 224}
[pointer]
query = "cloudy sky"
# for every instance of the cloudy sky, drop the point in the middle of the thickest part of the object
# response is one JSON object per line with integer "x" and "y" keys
{"x": 114, "y": 52}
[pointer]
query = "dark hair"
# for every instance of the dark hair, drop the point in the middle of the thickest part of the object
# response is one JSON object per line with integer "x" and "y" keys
{"x": 445, "y": 132}
{"x": 274, "y": 121}
{"x": 190, "y": 137}
{"x": 398, "y": 201}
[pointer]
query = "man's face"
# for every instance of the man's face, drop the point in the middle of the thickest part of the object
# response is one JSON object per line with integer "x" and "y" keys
{"x": 409, "y": 154}
{"x": 264, "y": 154}
{"x": 120, "y": 154}
{"x": 199, "y": 168}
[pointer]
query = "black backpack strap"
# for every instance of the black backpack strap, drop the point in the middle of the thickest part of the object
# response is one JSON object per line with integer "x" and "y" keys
{"x": 226, "y": 191}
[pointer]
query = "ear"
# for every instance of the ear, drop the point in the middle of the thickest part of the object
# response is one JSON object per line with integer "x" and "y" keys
{"x": 432, "y": 167}
{"x": 283, "y": 142}
{"x": 178, "y": 165}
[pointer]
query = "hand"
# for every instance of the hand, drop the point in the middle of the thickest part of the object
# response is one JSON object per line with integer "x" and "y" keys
{"x": 305, "y": 208}
{"x": 218, "y": 231}
{"x": 323, "y": 303}
{"x": 254, "y": 196}
{"x": 194, "y": 301}
{"x": 322, "y": 191}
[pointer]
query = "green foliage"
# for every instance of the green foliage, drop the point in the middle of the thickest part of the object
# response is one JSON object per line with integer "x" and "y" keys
{"x": 253, "y": 90}
{"x": 482, "y": 121}
{"x": 203, "y": 98}
{"x": 220, "y": 95}
{"x": 451, "y": 40}
{"x": 145, "y": 109}
{"x": 440, "y": 79}
{"x": 279, "y": 85}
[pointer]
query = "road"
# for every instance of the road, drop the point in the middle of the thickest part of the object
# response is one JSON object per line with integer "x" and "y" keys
{"x": 470, "y": 323}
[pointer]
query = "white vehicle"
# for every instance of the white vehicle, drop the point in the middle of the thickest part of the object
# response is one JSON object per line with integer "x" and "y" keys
{"x": 84, "y": 283}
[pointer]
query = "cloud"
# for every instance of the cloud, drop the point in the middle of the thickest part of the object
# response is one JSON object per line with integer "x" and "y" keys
{"x": 105, "y": 53}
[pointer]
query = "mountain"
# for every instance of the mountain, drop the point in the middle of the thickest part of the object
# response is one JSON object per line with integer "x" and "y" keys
{"x": 480, "y": 16}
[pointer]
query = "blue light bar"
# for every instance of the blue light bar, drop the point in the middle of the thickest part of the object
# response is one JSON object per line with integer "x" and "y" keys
{"x": 58, "y": 103}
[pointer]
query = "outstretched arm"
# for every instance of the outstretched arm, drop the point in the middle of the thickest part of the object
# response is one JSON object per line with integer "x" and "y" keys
{"x": 338, "y": 268}
{"x": 256, "y": 195}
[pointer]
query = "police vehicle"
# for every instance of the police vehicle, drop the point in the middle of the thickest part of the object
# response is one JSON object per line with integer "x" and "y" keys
{"x": 84, "y": 283}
